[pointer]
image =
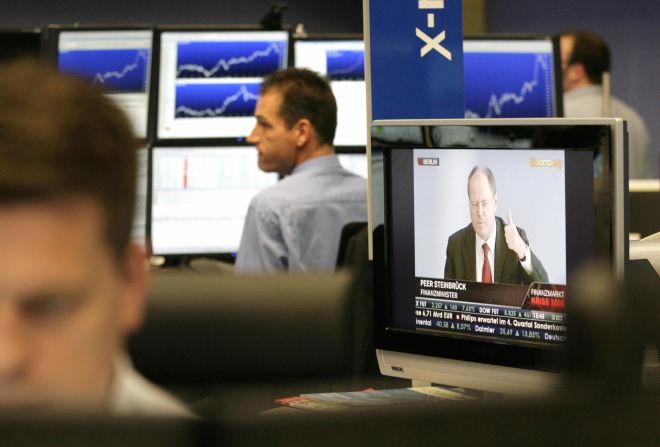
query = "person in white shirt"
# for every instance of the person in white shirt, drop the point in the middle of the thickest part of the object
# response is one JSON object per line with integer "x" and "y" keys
{"x": 585, "y": 57}
{"x": 72, "y": 283}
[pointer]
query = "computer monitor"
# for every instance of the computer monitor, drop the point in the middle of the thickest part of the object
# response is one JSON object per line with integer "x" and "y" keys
{"x": 200, "y": 196}
{"x": 260, "y": 328}
{"x": 341, "y": 59}
{"x": 19, "y": 42}
{"x": 209, "y": 80}
{"x": 512, "y": 77}
{"x": 562, "y": 181}
{"x": 116, "y": 59}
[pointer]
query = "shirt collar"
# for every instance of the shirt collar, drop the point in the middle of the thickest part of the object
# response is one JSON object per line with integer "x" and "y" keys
{"x": 490, "y": 241}
{"x": 323, "y": 162}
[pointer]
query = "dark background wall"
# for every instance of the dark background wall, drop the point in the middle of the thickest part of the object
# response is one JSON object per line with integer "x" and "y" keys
{"x": 632, "y": 29}
{"x": 318, "y": 16}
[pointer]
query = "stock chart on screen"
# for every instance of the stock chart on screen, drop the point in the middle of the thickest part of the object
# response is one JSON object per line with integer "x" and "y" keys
{"x": 209, "y": 80}
{"x": 509, "y": 79}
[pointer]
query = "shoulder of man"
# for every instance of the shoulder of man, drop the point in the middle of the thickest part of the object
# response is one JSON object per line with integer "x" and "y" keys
{"x": 133, "y": 395}
{"x": 461, "y": 234}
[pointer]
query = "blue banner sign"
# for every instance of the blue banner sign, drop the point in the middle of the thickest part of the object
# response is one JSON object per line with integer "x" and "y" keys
{"x": 416, "y": 50}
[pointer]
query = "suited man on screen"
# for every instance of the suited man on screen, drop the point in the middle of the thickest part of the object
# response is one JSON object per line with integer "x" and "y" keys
{"x": 488, "y": 249}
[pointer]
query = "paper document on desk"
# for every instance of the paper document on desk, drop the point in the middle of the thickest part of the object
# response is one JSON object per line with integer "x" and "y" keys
{"x": 386, "y": 397}
{"x": 304, "y": 403}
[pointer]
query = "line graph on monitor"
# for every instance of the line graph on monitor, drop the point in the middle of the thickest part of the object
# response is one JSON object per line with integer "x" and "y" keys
{"x": 229, "y": 59}
{"x": 116, "y": 70}
{"x": 212, "y": 100}
{"x": 511, "y": 85}
{"x": 345, "y": 64}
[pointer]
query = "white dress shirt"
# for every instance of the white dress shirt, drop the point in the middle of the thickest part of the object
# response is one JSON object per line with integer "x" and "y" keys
{"x": 526, "y": 264}
{"x": 133, "y": 395}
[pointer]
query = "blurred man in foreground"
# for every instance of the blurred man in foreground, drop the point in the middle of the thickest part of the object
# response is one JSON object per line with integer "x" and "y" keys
{"x": 71, "y": 282}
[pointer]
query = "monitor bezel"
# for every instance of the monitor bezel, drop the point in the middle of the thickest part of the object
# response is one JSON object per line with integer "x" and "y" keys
{"x": 473, "y": 350}
{"x": 556, "y": 60}
{"x": 210, "y": 141}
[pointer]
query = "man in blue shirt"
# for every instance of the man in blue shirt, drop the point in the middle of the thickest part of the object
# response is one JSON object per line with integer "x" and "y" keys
{"x": 295, "y": 225}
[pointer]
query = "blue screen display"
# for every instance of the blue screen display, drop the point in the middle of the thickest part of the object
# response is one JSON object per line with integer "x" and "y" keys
{"x": 118, "y": 71}
{"x": 345, "y": 65}
{"x": 216, "y": 100}
{"x": 225, "y": 59}
{"x": 508, "y": 85}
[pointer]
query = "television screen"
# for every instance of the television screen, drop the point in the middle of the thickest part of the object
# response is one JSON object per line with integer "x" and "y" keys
{"x": 117, "y": 60}
{"x": 209, "y": 80}
{"x": 512, "y": 77}
{"x": 341, "y": 60}
{"x": 200, "y": 196}
{"x": 478, "y": 233}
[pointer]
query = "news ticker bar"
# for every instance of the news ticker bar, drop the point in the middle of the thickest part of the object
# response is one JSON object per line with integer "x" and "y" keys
{"x": 488, "y": 320}
{"x": 535, "y": 296}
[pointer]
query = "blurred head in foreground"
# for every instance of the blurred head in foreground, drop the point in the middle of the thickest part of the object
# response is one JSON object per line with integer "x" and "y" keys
{"x": 71, "y": 281}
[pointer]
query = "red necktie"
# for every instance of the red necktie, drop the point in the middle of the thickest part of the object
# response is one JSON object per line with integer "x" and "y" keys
{"x": 486, "y": 275}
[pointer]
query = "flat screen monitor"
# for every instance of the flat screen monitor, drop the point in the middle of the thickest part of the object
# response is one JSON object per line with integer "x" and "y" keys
{"x": 341, "y": 60}
{"x": 19, "y": 43}
{"x": 200, "y": 196}
{"x": 209, "y": 80}
{"x": 118, "y": 60}
{"x": 512, "y": 77}
{"x": 559, "y": 184}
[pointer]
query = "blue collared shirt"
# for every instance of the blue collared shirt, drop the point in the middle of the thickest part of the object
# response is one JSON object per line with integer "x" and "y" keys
{"x": 296, "y": 224}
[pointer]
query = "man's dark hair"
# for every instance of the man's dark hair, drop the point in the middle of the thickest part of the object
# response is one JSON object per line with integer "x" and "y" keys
{"x": 590, "y": 50}
{"x": 305, "y": 94}
{"x": 489, "y": 175}
{"x": 61, "y": 138}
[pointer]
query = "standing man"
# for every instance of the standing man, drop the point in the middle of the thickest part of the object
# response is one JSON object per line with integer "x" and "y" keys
{"x": 584, "y": 58}
{"x": 295, "y": 225}
{"x": 489, "y": 250}
{"x": 71, "y": 282}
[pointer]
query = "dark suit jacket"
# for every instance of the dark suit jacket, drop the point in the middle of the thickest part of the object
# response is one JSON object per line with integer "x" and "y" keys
{"x": 461, "y": 258}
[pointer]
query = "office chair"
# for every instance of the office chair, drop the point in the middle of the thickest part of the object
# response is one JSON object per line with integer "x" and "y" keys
{"x": 353, "y": 245}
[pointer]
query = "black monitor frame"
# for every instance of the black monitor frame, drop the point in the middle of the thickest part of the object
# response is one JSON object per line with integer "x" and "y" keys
{"x": 557, "y": 72}
{"x": 158, "y": 31}
{"x": 21, "y": 42}
{"x": 559, "y": 133}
